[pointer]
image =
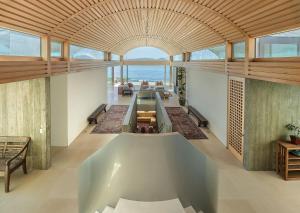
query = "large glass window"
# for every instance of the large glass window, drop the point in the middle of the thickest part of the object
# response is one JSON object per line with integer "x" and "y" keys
{"x": 238, "y": 50}
{"x": 146, "y": 54}
{"x": 77, "y": 52}
{"x": 178, "y": 57}
{"x": 56, "y": 49}
{"x": 286, "y": 44}
{"x": 213, "y": 53}
{"x": 115, "y": 57}
{"x": 19, "y": 44}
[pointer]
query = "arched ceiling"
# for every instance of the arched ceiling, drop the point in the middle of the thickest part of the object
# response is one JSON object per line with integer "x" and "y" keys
{"x": 173, "y": 25}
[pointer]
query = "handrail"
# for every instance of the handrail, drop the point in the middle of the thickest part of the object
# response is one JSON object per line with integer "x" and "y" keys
{"x": 162, "y": 117}
{"x": 129, "y": 123}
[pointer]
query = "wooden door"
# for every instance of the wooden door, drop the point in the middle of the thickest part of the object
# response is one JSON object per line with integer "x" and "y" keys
{"x": 236, "y": 99}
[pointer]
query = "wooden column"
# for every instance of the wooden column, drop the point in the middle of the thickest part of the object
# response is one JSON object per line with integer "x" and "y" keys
{"x": 113, "y": 75}
{"x": 127, "y": 73}
{"x": 122, "y": 72}
{"x": 122, "y": 69}
{"x": 165, "y": 74}
{"x": 107, "y": 56}
{"x": 250, "y": 52}
{"x": 66, "y": 53}
{"x": 228, "y": 55}
{"x": 46, "y": 52}
{"x": 171, "y": 73}
{"x": 187, "y": 57}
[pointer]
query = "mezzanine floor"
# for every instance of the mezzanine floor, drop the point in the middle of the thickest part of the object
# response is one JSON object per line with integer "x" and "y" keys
{"x": 55, "y": 190}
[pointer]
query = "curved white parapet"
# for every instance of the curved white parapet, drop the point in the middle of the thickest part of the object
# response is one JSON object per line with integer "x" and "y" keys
{"x": 148, "y": 168}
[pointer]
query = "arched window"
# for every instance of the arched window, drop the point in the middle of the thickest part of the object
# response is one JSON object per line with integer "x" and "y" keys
{"x": 146, "y": 54}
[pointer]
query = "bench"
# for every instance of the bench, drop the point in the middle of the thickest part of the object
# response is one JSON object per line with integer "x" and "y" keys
{"x": 13, "y": 152}
{"x": 93, "y": 117}
{"x": 201, "y": 119}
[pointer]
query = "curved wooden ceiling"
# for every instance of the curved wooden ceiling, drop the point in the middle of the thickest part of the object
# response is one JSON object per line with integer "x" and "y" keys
{"x": 175, "y": 26}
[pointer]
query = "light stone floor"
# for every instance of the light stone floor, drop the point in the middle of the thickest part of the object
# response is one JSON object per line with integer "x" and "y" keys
{"x": 55, "y": 190}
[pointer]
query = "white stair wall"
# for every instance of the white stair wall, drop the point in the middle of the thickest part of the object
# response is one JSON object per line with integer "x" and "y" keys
{"x": 129, "y": 206}
{"x": 169, "y": 206}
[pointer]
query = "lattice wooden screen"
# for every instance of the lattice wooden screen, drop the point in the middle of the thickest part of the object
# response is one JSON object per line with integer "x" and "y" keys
{"x": 236, "y": 92}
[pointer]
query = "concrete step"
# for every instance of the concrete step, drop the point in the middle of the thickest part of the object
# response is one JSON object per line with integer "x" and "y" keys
{"x": 169, "y": 206}
{"x": 135, "y": 206}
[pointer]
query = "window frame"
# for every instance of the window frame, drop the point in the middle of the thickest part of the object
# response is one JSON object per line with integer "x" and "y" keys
{"x": 273, "y": 59}
{"x": 84, "y": 59}
{"x": 181, "y": 59}
{"x": 209, "y": 60}
{"x": 112, "y": 54}
{"x": 233, "y": 58}
{"x": 61, "y": 50}
{"x": 20, "y": 57}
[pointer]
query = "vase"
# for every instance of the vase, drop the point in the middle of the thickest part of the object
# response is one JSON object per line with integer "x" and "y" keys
{"x": 295, "y": 140}
{"x": 182, "y": 102}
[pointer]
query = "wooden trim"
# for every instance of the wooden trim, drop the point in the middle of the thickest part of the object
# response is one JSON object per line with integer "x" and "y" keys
{"x": 228, "y": 55}
{"x": 287, "y": 59}
{"x": 207, "y": 60}
{"x": 85, "y": 60}
{"x": 66, "y": 50}
{"x": 129, "y": 62}
{"x": 19, "y": 58}
{"x": 46, "y": 51}
{"x": 57, "y": 59}
{"x": 250, "y": 52}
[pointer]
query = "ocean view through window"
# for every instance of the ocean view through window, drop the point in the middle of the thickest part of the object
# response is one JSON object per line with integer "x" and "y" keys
{"x": 142, "y": 64}
{"x": 138, "y": 73}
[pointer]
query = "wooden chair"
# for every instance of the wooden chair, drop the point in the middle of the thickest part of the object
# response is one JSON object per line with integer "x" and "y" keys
{"x": 13, "y": 152}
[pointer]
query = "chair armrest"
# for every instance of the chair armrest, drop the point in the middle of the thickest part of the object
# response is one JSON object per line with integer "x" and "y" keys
{"x": 24, "y": 149}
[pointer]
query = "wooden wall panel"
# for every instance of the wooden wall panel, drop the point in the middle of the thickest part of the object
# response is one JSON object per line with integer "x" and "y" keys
{"x": 86, "y": 65}
{"x": 58, "y": 67}
{"x": 236, "y": 68}
{"x": 12, "y": 71}
{"x": 211, "y": 66}
{"x": 22, "y": 70}
{"x": 285, "y": 72}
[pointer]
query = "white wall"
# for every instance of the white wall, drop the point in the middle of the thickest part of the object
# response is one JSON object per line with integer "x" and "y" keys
{"x": 73, "y": 98}
{"x": 207, "y": 92}
{"x": 86, "y": 91}
{"x": 59, "y": 110}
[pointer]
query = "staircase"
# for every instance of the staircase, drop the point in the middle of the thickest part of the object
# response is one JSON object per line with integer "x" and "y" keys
{"x": 129, "y": 206}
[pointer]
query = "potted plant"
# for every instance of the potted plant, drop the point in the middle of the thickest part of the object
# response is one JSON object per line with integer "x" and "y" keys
{"x": 181, "y": 86}
{"x": 295, "y": 136}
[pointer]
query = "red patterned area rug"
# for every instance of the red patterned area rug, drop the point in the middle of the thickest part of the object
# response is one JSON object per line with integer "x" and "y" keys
{"x": 111, "y": 121}
{"x": 183, "y": 124}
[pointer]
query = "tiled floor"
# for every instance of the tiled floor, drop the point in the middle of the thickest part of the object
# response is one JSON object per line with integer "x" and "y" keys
{"x": 55, "y": 190}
